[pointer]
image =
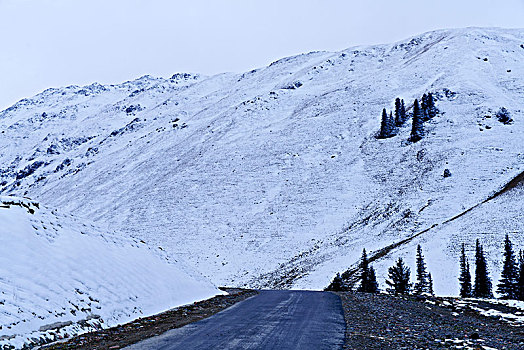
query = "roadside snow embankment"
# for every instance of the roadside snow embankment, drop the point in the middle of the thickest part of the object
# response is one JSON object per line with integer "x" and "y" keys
{"x": 58, "y": 276}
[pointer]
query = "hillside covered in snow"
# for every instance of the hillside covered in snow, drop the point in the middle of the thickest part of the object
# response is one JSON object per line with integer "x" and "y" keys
{"x": 60, "y": 276}
{"x": 275, "y": 177}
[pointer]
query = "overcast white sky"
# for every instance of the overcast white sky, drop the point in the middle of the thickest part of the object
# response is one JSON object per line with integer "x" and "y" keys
{"x": 52, "y": 43}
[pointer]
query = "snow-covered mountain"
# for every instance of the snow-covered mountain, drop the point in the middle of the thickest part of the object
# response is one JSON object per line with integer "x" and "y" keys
{"x": 275, "y": 177}
{"x": 60, "y": 276}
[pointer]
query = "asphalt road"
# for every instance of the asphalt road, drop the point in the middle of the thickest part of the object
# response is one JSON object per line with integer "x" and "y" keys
{"x": 270, "y": 320}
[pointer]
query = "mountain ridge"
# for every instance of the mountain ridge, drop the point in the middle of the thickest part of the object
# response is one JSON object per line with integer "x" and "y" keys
{"x": 282, "y": 161}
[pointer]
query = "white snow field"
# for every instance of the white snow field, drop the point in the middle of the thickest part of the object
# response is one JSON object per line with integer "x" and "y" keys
{"x": 274, "y": 177}
{"x": 58, "y": 276}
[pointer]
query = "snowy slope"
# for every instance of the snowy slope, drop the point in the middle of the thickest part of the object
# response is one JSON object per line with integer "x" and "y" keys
{"x": 488, "y": 222}
{"x": 274, "y": 177}
{"x": 59, "y": 276}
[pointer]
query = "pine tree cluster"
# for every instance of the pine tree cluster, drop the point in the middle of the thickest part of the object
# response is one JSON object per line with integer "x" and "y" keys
{"x": 387, "y": 125}
{"x": 399, "y": 277}
{"x": 428, "y": 108}
{"x": 337, "y": 285}
{"x": 511, "y": 284}
{"x": 422, "y": 112}
{"x": 400, "y": 112}
{"x": 398, "y": 282}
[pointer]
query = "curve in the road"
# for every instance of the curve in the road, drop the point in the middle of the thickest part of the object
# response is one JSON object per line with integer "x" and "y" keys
{"x": 270, "y": 320}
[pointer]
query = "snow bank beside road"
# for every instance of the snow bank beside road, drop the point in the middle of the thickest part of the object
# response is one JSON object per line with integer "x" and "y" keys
{"x": 59, "y": 276}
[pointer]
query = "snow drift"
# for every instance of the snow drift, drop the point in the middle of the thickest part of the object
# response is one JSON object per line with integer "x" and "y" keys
{"x": 60, "y": 276}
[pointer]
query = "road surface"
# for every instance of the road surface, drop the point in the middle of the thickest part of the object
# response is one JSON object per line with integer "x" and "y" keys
{"x": 270, "y": 320}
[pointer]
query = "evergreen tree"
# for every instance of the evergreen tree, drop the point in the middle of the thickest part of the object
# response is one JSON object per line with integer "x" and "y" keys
{"x": 373, "y": 284}
{"x": 387, "y": 126}
{"x": 421, "y": 285}
{"x": 430, "y": 284}
{"x": 402, "y": 111}
{"x": 368, "y": 280}
{"x": 393, "y": 125}
{"x": 417, "y": 128}
{"x": 520, "y": 280}
{"x": 465, "y": 275}
{"x": 432, "y": 109}
{"x": 424, "y": 107}
{"x": 364, "y": 274}
{"x": 482, "y": 287}
{"x": 337, "y": 285}
{"x": 399, "y": 278}
{"x": 507, "y": 286}
{"x": 399, "y": 116}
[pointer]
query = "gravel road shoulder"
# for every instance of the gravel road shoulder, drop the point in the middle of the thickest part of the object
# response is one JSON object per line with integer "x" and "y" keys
{"x": 378, "y": 321}
{"x": 143, "y": 328}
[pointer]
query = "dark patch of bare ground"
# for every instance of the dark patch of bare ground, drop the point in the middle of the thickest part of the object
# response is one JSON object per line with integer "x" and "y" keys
{"x": 379, "y": 321}
{"x": 143, "y": 328}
